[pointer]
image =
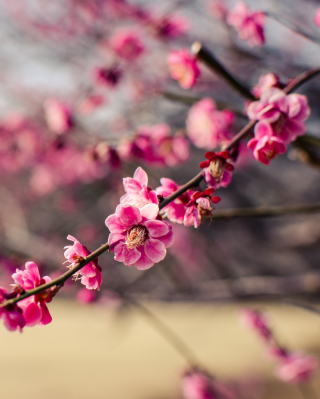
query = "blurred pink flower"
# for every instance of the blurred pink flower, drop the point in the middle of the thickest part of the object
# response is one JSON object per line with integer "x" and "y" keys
{"x": 91, "y": 273}
{"x": 137, "y": 236}
{"x": 170, "y": 26}
{"x": 127, "y": 44}
{"x": 108, "y": 77}
{"x": 11, "y": 315}
{"x": 91, "y": 103}
{"x": 266, "y": 81}
{"x": 254, "y": 320}
{"x": 138, "y": 194}
{"x": 218, "y": 8}
{"x": 58, "y": 115}
{"x": 183, "y": 67}
{"x": 206, "y": 126}
{"x": 316, "y": 18}
{"x": 297, "y": 368}
{"x": 249, "y": 24}
{"x": 35, "y": 310}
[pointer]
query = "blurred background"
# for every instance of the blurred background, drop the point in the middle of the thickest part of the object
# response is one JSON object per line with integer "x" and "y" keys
{"x": 71, "y": 109}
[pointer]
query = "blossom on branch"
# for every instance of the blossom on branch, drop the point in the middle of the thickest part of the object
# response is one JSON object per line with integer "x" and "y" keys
{"x": 249, "y": 24}
{"x": 35, "y": 310}
{"x": 183, "y": 67}
{"x": 11, "y": 315}
{"x": 199, "y": 207}
{"x": 91, "y": 273}
{"x": 137, "y": 236}
{"x": 217, "y": 171}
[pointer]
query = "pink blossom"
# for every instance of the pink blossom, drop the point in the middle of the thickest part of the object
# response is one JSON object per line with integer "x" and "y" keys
{"x": 91, "y": 273}
{"x": 138, "y": 192}
{"x": 137, "y": 237}
{"x": 107, "y": 77}
{"x": 297, "y": 368}
{"x": 266, "y": 81}
{"x": 217, "y": 171}
{"x": 206, "y": 126}
{"x": 285, "y": 113}
{"x": 197, "y": 385}
{"x": 11, "y": 315}
{"x": 183, "y": 67}
{"x": 58, "y": 115}
{"x": 171, "y": 26}
{"x": 316, "y": 18}
{"x": 91, "y": 103}
{"x": 257, "y": 322}
{"x": 35, "y": 310}
{"x": 199, "y": 207}
{"x": 175, "y": 211}
{"x": 265, "y": 145}
{"x": 249, "y": 24}
{"x": 127, "y": 44}
{"x": 86, "y": 296}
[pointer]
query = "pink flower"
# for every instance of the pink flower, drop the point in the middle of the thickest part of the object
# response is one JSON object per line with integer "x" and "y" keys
{"x": 249, "y": 24}
{"x": 197, "y": 385}
{"x": 11, "y": 315}
{"x": 217, "y": 171}
{"x": 199, "y": 207}
{"x": 127, "y": 44}
{"x": 296, "y": 368}
{"x": 137, "y": 237}
{"x": 35, "y": 310}
{"x": 183, "y": 68}
{"x": 171, "y": 26}
{"x": 58, "y": 115}
{"x": 108, "y": 77}
{"x": 91, "y": 103}
{"x": 316, "y": 18}
{"x": 91, "y": 273}
{"x": 256, "y": 321}
{"x": 285, "y": 113}
{"x": 266, "y": 81}
{"x": 138, "y": 192}
{"x": 175, "y": 211}
{"x": 206, "y": 126}
{"x": 265, "y": 145}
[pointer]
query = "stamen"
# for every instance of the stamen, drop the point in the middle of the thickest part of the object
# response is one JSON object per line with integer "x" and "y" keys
{"x": 136, "y": 236}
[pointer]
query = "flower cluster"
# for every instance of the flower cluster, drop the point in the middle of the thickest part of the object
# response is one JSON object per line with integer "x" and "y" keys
{"x": 208, "y": 127}
{"x": 291, "y": 367}
{"x": 249, "y": 24}
{"x": 280, "y": 121}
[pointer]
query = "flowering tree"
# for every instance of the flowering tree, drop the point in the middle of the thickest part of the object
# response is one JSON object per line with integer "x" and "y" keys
{"x": 116, "y": 88}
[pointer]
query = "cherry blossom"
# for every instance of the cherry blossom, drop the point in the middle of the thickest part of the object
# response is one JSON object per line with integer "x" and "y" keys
{"x": 170, "y": 26}
{"x": 297, "y": 368}
{"x": 35, "y": 310}
{"x": 217, "y": 171}
{"x": 91, "y": 273}
{"x": 138, "y": 194}
{"x": 137, "y": 237}
{"x": 11, "y": 315}
{"x": 206, "y": 126}
{"x": 199, "y": 207}
{"x": 249, "y": 24}
{"x": 266, "y": 81}
{"x": 127, "y": 44}
{"x": 183, "y": 67}
{"x": 107, "y": 77}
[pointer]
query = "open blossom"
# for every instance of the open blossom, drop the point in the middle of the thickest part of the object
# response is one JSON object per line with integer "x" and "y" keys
{"x": 183, "y": 67}
{"x": 35, "y": 310}
{"x": 127, "y": 44}
{"x": 199, "y": 207}
{"x": 175, "y": 211}
{"x": 91, "y": 273}
{"x": 206, "y": 126}
{"x": 11, "y": 315}
{"x": 249, "y": 24}
{"x": 137, "y": 237}
{"x": 266, "y": 81}
{"x": 58, "y": 115}
{"x": 265, "y": 145}
{"x": 217, "y": 171}
{"x": 138, "y": 193}
{"x": 296, "y": 368}
{"x": 285, "y": 113}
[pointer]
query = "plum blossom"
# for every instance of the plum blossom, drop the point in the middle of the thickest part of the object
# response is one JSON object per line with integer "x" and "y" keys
{"x": 127, "y": 44}
{"x": 183, "y": 67}
{"x": 107, "y": 77}
{"x": 217, "y": 171}
{"x": 297, "y": 368}
{"x": 206, "y": 126}
{"x": 91, "y": 273}
{"x": 137, "y": 237}
{"x": 58, "y": 115}
{"x": 175, "y": 211}
{"x": 11, "y": 315}
{"x": 316, "y": 18}
{"x": 285, "y": 113}
{"x": 170, "y": 26}
{"x": 266, "y": 81}
{"x": 249, "y": 24}
{"x": 265, "y": 145}
{"x": 199, "y": 207}
{"x": 138, "y": 194}
{"x": 35, "y": 310}
{"x": 256, "y": 321}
